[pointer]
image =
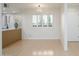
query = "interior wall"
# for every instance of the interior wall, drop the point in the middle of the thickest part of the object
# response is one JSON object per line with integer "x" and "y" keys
{"x": 64, "y": 26}
{"x": 73, "y": 23}
{"x": 30, "y": 32}
{"x": 0, "y": 30}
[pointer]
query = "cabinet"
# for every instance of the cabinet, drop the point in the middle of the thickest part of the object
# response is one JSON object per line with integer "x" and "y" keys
{"x": 10, "y": 36}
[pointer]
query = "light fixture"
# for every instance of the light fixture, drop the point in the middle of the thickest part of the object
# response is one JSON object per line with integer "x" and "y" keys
{"x": 39, "y": 8}
{"x": 38, "y": 5}
{"x": 4, "y": 8}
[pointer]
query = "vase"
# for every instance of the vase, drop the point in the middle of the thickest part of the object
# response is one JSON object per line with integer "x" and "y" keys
{"x": 16, "y": 25}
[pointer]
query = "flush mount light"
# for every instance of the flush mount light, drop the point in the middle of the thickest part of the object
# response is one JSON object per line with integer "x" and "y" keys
{"x": 38, "y": 5}
{"x": 4, "y": 8}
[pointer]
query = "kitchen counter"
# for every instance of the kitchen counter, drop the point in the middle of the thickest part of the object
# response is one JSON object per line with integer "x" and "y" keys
{"x": 10, "y": 36}
{"x": 9, "y": 29}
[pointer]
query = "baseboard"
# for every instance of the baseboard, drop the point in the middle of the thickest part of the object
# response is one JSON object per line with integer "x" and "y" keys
{"x": 42, "y": 38}
{"x": 73, "y": 40}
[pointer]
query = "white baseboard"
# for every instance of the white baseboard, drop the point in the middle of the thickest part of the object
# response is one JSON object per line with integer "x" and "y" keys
{"x": 73, "y": 40}
{"x": 41, "y": 38}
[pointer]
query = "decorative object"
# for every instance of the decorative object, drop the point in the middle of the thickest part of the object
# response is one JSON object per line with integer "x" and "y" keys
{"x": 7, "y": 26}
{"x": 16, "y": 25}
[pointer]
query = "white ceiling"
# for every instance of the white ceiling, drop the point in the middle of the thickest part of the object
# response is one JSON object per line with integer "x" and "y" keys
{"x": 34, "y": 5}
{"x": 22, "y": 7}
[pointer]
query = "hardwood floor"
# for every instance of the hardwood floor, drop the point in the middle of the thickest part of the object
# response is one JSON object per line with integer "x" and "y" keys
{"x": 41, "y": 48}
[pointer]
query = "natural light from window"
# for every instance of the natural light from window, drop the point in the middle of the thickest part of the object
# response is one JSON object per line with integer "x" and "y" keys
{"x": 42, "y": 20}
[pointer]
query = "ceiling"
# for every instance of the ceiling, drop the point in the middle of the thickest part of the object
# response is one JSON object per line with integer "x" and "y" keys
{"x": 23, "y": 7}
{"x": 34, "y": 5}
{"x": 30, "y": 6}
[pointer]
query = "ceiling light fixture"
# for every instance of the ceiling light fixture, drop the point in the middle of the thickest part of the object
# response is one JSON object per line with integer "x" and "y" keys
{"x": 38, "y": 5}
{"x": 39, "y": 8}
{"x": 4, "y": 8}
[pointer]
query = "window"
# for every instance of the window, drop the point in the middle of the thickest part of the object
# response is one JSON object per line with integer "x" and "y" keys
{"x": 39, "y": 21}
{"x": 45, "y": 21}
{"x": 42, "y": 20}
{"x": 50, "y": 20}
{"x": 34, "y": 21}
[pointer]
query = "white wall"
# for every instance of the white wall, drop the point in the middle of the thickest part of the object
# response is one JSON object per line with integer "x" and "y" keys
{"x": 0, "y": 31}
{"x": 69, "y": 24}
{"x": 30, "y": 32}
{"x": 64, "y": 26}
{"x": 73, "y": 23}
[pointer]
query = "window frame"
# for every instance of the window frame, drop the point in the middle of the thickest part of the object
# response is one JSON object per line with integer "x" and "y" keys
{"x": 40, "y": 20}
